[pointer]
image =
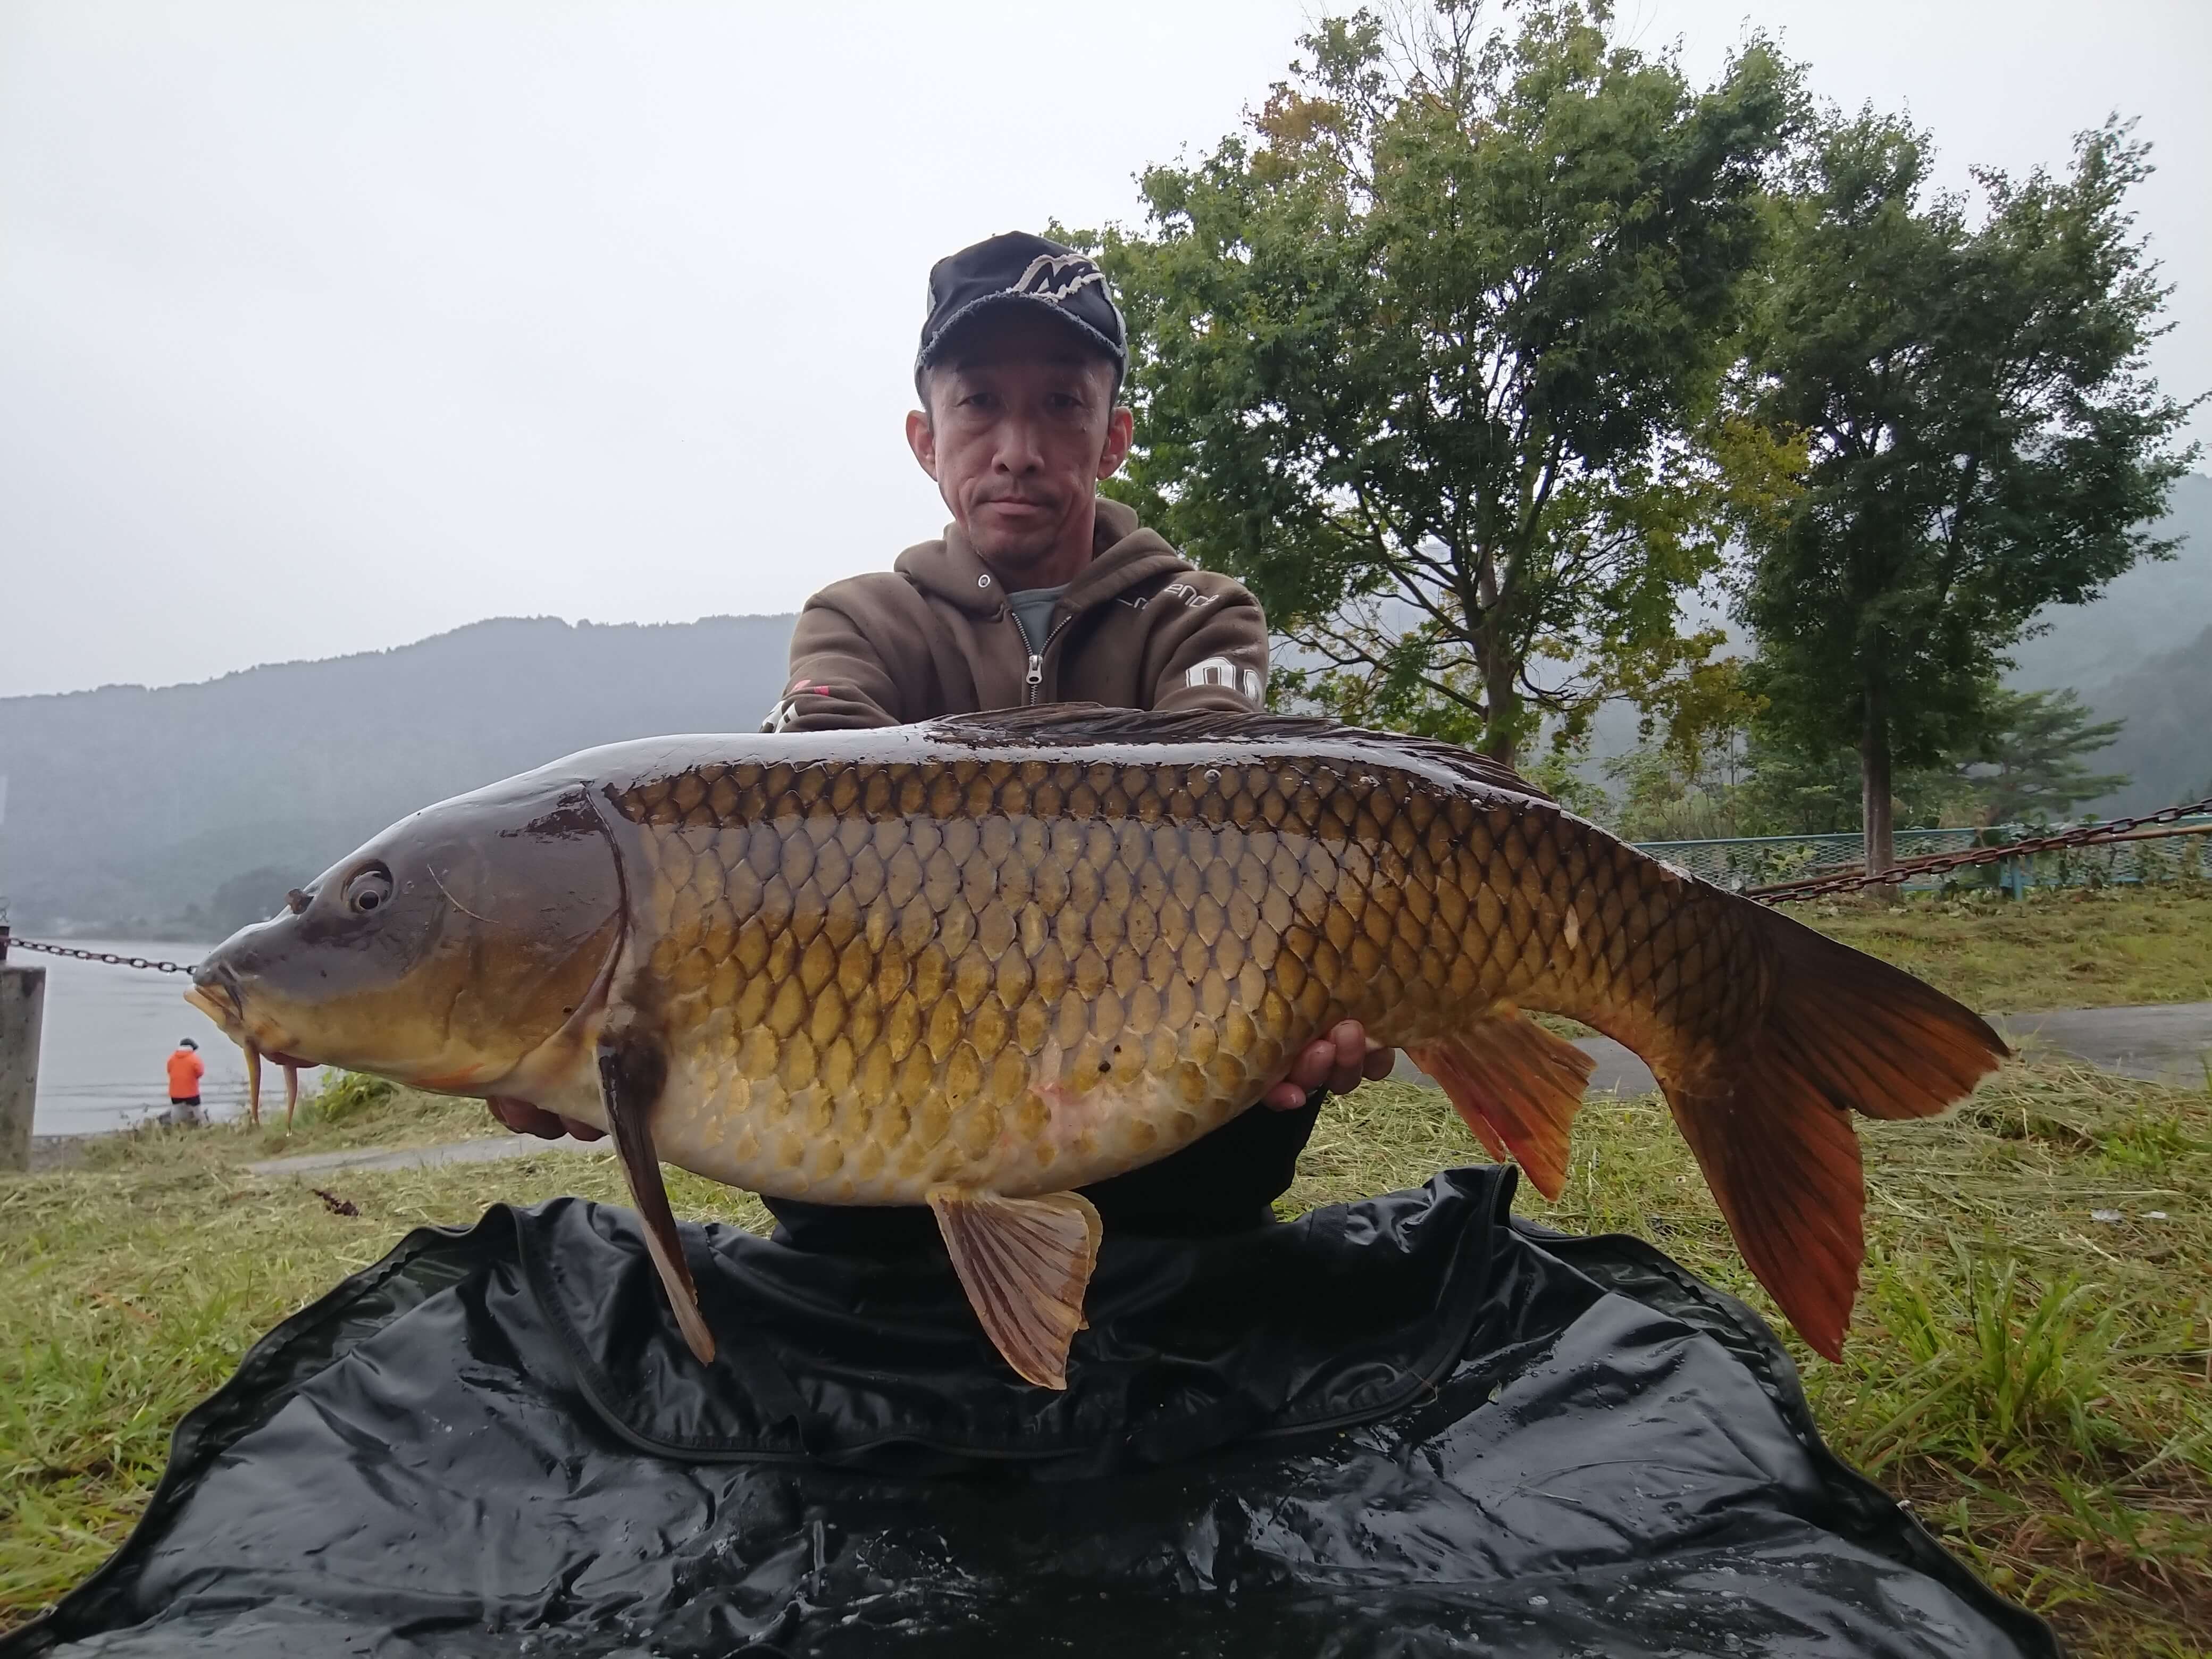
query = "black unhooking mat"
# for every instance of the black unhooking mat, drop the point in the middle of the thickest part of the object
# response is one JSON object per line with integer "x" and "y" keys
{"x": 1407, "y": 1426}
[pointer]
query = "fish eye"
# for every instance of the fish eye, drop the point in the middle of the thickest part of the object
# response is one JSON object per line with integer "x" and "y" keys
{"x": 370, "y": 889}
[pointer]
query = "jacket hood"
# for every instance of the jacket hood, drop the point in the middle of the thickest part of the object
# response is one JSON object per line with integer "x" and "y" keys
{"x": 1124, "y": 554}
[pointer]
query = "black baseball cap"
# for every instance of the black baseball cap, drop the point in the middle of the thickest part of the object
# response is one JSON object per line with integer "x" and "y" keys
{"x": 1021, "y": 270}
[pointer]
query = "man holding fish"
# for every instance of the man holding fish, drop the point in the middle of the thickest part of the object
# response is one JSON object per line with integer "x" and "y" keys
{"x": 1043, "y": 592}
{"x": 1013, "y": 979}
{"x": 981, "y": 955}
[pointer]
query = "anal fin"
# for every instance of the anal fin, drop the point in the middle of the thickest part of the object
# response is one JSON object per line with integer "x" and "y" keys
{"x": 631, "y": 1076}
{"x": 1024, "y": 1263}
{"x": 1517, "y": 1087}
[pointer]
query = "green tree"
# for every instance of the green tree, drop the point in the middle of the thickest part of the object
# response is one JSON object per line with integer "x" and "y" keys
{"x": 1793, "y": 792}
{"x": 1691, "y": 783}
{"x": 2031, "y": 765}
{"x": 1982, "y": 438}
{"x": 1419, "y": 355}
{"x": 2028, "y": 765}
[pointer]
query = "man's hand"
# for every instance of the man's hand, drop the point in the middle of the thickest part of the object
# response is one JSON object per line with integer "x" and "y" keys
{"x": 1338, "y": 1062}
{"x": 523, "y": 1118}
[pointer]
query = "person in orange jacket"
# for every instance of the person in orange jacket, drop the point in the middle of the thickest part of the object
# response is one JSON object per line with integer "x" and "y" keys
{"x": 185, "y": 1070}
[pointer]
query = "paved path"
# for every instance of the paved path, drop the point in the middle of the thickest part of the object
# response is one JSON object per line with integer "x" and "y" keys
{"x": 489, "y": 1150}
{"x": 2171, "y": 1041}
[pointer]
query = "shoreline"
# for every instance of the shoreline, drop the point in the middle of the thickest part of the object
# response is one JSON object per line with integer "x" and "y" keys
{"x": 65, "y": 1149}
{"x": 52, "y": 1152}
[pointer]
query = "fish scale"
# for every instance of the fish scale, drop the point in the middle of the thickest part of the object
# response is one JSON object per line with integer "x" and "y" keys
{"x": 1171, "y": 934}
{"x": 982, "y": 962}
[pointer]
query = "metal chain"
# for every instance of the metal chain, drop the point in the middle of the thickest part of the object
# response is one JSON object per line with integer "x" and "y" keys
{"x": 98, "y": 956}
{"x": 2087, "y": 834}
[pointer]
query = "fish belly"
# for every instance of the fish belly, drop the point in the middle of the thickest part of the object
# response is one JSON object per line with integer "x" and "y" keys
{"x": 1037, "y": 1137}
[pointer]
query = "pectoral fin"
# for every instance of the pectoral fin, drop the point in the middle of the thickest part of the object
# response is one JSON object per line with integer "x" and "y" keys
{"x": 1515, "y": 1084}
{"x": 631, "y": 1073}
{"x": 1024, "y": 1263}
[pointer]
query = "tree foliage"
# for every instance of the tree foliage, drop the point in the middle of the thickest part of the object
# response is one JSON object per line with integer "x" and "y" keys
{"x": 2031, "y": 766}
{"x": 1982, "y": 438}
{"x": 1419, "y": 356}
{"x": 1741, "y": 777}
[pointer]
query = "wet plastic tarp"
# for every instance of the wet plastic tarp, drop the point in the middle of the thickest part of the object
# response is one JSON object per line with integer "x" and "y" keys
{"x": 1406, "y": 1426}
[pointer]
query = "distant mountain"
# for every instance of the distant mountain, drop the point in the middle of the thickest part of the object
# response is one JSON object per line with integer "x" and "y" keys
{"x": 130, "y": 807}
{"x": 2141, "y": 654}
{"x": 2166, "y": 744}
{"x": 2151, "y": 609}
{"x": 192, "y": 807}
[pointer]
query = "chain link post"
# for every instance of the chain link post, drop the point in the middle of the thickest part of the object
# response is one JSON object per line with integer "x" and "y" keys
{"x": 22, "y": 1009}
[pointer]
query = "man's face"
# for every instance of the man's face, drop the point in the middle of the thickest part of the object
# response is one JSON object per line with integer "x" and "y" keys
{"x": 1020, "y": 428}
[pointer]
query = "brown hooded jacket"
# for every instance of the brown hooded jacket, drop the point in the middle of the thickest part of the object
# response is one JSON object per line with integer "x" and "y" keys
{"x": 1141, "y": 628}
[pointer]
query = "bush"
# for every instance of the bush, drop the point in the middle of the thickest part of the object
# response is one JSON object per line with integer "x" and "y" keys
{"x": 349, "y": 1096}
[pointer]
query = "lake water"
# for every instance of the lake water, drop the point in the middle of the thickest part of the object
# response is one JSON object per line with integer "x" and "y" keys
{"x": 108, "y": 1031}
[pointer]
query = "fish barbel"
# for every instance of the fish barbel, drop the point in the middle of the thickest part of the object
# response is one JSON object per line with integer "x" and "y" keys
{"x": 981, "y": 963}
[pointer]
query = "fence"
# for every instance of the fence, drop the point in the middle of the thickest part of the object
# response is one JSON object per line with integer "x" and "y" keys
{"x": 1760, "y": 860}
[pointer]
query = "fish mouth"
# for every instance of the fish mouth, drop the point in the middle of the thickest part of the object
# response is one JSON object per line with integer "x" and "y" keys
{"x": 217, "y": 996}
{"x": 224, "y": 1008}
{"x": 219, "y": 999}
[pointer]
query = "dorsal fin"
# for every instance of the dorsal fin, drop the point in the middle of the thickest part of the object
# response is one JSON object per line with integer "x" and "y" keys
{"x": 1077, "y": 725}
{"x": 1057, "y": 724}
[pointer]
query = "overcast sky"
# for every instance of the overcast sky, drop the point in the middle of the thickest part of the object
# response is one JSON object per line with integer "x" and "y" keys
{"x": 327, "y": 326}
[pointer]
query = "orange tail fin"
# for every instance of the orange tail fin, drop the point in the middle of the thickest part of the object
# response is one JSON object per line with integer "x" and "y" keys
{"x": 1768, "y": 1120}
{"x": 1517, "y": 1087}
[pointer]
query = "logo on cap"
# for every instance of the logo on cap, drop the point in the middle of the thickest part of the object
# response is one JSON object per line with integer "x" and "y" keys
{"x": 1038, "y": 280}
{"x": 1014, "y": 267}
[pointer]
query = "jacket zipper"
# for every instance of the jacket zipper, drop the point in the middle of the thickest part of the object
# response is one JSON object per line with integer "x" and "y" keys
{"x": 1035, "y": 677}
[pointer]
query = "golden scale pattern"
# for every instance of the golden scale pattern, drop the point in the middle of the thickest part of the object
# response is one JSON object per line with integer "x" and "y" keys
{"x": 874, "y": 973}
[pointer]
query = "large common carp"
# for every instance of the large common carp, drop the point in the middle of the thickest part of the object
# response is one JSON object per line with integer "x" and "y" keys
{"x": 979, "y": 962}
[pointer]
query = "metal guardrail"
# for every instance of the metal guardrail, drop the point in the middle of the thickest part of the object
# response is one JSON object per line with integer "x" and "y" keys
{"x": 1765, "y": 861}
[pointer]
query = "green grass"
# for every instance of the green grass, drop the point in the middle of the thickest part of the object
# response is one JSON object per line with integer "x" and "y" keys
{"x": 350, "y": 1112}
{"x": 2077, "y": 947}
{"x": 2037, "y": 1383}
